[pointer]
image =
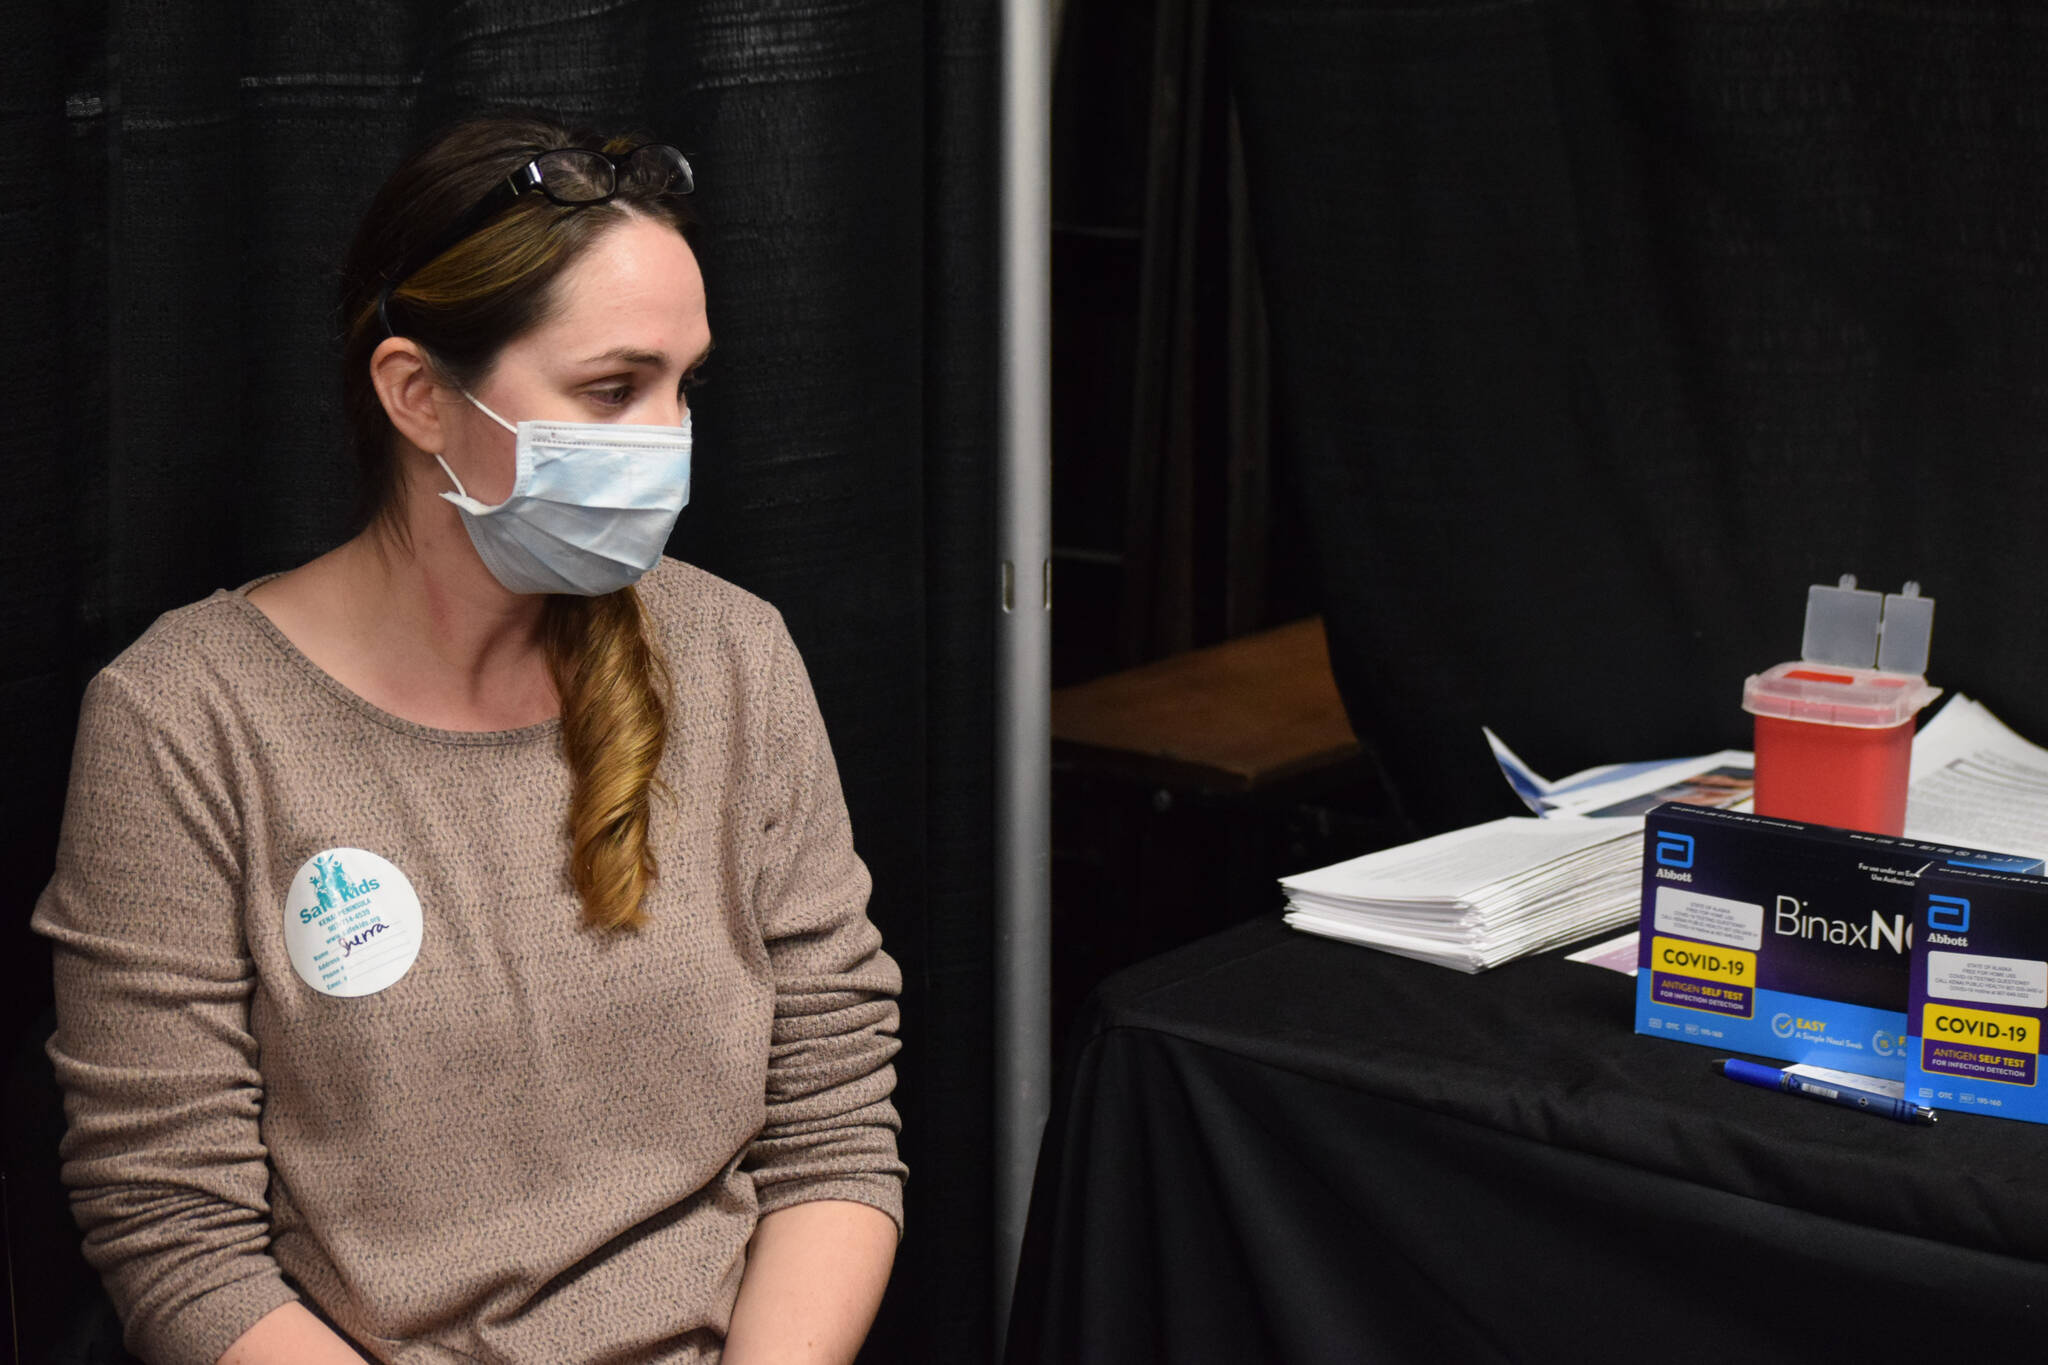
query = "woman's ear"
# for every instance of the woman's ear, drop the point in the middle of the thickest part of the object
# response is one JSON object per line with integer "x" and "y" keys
{"x": 408, "y": 388}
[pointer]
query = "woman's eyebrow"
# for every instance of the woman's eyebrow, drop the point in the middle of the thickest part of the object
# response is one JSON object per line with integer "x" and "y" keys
{"x": 626, "y": 355}
{"x": 633, "y": 355}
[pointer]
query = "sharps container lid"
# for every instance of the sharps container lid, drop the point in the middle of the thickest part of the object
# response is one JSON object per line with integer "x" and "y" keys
{"x": 1862, "y": 698}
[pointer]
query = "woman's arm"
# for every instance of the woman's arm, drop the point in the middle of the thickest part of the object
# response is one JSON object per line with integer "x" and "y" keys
{"x": 815, "y": 1275}
{"x": 290, "y": 1335}
{"x": 824, "y": 1163}
{"x": 164, "y": 1152}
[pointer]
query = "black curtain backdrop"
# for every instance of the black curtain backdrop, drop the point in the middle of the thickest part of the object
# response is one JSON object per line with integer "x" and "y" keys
{"x": 1601, "y": 328}
{"x": 178, "y": 179}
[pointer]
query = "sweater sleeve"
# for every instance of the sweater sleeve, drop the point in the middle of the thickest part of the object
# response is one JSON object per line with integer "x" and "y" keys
{"x": 167, "y": 1170}
{"x": 831, "y": 1129}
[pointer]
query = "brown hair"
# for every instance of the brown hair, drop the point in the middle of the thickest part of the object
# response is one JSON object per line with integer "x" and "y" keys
{"x": 462, "y": 307}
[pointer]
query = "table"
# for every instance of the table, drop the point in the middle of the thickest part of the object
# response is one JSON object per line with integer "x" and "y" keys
{"x": 1272, "y": 1147}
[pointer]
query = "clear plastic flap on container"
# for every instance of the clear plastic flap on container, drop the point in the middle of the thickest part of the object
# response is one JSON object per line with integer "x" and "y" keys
{"x": 1908, "y": 628}
{"x": 1852, "y": 627}
{"x": 1842, "y": 625}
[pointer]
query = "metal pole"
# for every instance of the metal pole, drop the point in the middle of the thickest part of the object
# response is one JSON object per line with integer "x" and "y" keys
{"x": 1022, "y": 583}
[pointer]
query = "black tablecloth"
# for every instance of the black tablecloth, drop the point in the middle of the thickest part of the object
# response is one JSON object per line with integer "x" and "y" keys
{"x": 1274, "y": 1147}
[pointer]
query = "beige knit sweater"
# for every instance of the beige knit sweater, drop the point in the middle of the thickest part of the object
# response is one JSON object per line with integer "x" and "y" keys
{"x": 538, "y": 1143}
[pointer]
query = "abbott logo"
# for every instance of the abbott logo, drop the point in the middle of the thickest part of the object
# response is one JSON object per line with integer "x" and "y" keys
{"x": 1674, "y": 850}
{"x": 1948, "y": 912}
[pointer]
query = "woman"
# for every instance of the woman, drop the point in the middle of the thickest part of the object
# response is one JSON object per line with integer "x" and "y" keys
{"x": 461, "y": 953}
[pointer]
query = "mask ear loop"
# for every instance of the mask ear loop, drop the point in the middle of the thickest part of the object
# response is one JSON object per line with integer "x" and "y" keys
{"x": 486, "y": 412}
{"x": 460, "y": 491}
{"x": 384, "y": 316}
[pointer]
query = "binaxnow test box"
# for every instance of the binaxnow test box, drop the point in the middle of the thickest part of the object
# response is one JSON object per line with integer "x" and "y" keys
{"x": 1979, "y": 994}
{"x": 1782, "y": 939}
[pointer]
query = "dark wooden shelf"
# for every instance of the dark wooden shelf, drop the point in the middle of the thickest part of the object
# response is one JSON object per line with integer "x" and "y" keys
{"x": 1235, "y": 717}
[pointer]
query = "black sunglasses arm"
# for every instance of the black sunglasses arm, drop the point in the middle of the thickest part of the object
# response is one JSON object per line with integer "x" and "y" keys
{"x": 501, "y": 194}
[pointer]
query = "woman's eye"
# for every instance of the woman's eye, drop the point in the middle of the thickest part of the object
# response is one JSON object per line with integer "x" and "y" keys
{"x": 692, "y": 379}
{"x": 614, "y": 397}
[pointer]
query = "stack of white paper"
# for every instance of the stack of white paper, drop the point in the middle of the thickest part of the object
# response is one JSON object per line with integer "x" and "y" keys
{"x": 1474, "y": 898}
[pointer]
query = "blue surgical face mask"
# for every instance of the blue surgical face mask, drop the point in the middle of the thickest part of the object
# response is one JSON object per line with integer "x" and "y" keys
{"x": 591, "y": 506}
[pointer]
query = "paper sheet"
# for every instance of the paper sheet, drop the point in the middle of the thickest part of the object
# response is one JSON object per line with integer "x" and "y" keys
{"x": 1616, "y": 954}
{"x": 1727, "y": 779}
{"x": 1975, "y": 782}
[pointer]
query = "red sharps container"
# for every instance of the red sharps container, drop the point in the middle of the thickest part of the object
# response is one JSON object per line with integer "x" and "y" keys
{"x": 1834, "y": 731}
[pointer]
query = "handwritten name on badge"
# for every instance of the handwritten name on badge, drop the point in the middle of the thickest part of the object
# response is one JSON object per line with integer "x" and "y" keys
{"x": 352, "y": 922}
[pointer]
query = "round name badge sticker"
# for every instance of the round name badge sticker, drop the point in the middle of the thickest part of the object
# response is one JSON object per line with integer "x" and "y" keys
{"x": 351, "y": 922}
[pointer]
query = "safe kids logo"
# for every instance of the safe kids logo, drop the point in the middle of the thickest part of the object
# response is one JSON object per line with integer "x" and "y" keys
{"x": 332, "y": 886}
{"x": 1674, "y": 850}
{"x": 1950, "y": 913}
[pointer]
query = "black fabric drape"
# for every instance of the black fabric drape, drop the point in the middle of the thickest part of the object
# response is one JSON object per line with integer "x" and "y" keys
{"x": 1602, "y": 328}
{"x": 1274, "y": 1147}
{"x": 178, "y": 179}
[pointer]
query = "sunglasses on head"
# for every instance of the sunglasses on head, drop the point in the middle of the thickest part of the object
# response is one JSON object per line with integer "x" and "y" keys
{"x": 567, "y": 175}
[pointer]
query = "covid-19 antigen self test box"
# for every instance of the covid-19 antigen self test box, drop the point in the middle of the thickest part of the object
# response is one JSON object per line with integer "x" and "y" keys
{"x": 1979, "y": 995}
{"x": 1786, "y": 940}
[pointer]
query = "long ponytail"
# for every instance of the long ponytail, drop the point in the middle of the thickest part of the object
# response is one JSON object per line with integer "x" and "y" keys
{"x": 615, "y": 693}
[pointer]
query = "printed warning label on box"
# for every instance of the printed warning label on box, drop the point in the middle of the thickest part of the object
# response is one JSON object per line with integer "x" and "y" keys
{"x": 1711, "y": 919}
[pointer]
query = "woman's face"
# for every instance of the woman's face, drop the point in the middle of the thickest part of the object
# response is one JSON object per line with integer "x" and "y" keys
{"x": 628, "y": 327}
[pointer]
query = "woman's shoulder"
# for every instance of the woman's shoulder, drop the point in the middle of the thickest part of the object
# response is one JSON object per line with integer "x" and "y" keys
{"x": 694, "y": 608}
{"x": 221, "y": 636}
{"x": 720, "y": 639}
{"x": 179, "y": 682}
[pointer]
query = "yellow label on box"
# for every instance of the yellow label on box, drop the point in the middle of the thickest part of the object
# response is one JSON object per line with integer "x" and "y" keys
{"x": 1707, "y": 961}
{"x": 1983, "y": 1028}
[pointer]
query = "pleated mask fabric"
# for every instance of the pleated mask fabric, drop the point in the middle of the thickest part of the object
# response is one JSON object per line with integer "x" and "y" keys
{"x": 591, "y": 506}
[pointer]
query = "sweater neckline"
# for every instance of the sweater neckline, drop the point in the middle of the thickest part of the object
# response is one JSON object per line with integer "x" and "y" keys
{"x": 239, "y": 601}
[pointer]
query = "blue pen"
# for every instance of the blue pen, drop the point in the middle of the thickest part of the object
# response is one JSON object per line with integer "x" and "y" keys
{"x": 1771, "y": 1078}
